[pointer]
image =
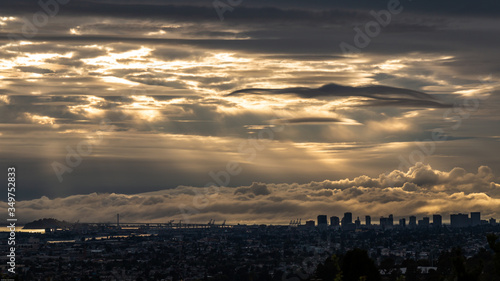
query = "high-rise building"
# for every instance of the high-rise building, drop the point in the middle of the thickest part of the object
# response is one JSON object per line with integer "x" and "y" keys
{"x": 334, "y": 221}
{"x": 475, "y": 218}
{"x": 322, "y": 220}
{"x": 347, "y": 219}
{"x": 413, "y": 221}
{"x": 310, "y": 223}
{"x": 357, "y": 222}
{"x": 459, "y": 220}
{"x": 493, "y": 221}
{"x": 387, "y": 222}
{"x": 437, "y": 220}
{"x": 402, "y": 222}
{"x": 383, "y": 222}
{"x": 368, "y": 220}
{"x": 424, "y": 222}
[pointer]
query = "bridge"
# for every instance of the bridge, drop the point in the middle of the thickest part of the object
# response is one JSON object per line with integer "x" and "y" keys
{"x": 167, "y": 225}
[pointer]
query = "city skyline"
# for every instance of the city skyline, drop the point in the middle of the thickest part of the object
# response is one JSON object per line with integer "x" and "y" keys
{"x": 461, "y": 220}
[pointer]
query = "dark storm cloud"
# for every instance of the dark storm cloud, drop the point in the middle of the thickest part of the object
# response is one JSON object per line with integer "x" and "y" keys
{"x": 294, "y": 45}
{"x": 297, "y": 40}
{"x": 489, "y": 8}
{"x": 298, "y": 28}
{"x": 304, "y": 57}
{"x": 276, "y": 10}
{"x": 410, "y": 103}
{"x": 384, "y": 95}
{"x": 168, "y": 54}
{"x": 308, "y": 120}
{"x": 186, "y": 10}
{"x": 34, "y": 69}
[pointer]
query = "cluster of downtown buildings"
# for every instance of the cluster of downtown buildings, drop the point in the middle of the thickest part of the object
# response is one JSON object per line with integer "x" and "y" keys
{"x": 347, "y": 223}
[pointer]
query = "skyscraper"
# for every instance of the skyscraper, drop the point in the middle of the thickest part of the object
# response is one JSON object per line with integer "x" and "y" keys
{"x": 310, "y": 223}
{"x": 347, "y": 219}
{"x": 387, "y": 222}
{"x": 475, "y": 218}
{"x": 424, "y": 222}
{"x": 459, "y": 220}
{"x": 322, "y": 220}
{"x": 437, "y": 220}
{"x": 368, "y": 220}
{"x": 334, "y": 221}
{"x": 402, "y": 222}
{"x": 383, "y": 222}
{"x": 413, "y": 221}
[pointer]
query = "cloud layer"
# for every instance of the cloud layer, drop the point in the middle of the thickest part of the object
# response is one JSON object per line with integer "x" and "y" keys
{"x": 420, "y": 191}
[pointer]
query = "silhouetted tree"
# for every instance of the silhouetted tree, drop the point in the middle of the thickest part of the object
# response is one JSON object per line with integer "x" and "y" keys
{"x": 329, "y": 270}
{"x": 412, "y": 273}
{"x": 387, "y": 265}
{"x": 495, "y": 246}
{"x": 461, "y": 270}
{"x": 444, "y": 264}
{"x": 357, "y": 265}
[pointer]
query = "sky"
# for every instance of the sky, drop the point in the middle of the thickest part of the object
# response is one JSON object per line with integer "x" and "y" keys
{"x": 250, "y": 111}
